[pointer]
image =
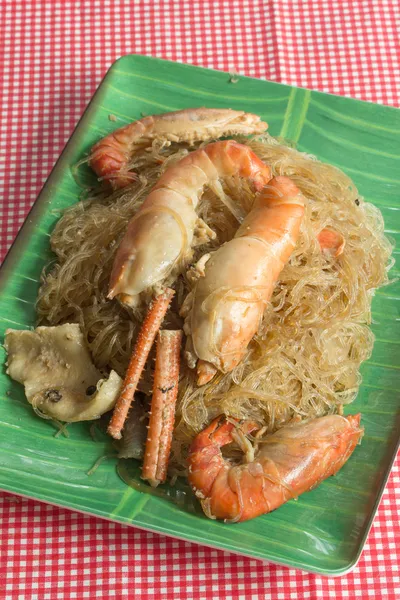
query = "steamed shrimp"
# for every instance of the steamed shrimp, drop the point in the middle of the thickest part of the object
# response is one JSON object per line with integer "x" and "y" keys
{"x": 231, "y": 293}
{"x": 293, "y": 460}
{"x": 158, "y": 242}
{"x": 109, "y": 158}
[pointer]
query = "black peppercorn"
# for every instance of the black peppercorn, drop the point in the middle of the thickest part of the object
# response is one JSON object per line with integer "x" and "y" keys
{"x": 91, "y": 390}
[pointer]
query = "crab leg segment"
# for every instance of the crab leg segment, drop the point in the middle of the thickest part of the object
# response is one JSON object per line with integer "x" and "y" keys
{"x": 144, "y": 342}
{"x": 162, "y": 415}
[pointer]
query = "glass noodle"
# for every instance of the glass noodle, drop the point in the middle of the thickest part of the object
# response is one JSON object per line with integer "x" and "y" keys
{"x": 305, "y": 358}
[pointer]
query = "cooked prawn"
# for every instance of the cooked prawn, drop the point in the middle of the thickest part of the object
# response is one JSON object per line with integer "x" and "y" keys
{"x": 293, "y": 460}
{"x": 237, "y": 281}
{"x": 110, "y": 156}
{"x": 159, "y": 239}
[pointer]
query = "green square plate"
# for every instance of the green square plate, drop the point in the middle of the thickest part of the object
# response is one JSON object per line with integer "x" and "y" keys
{"x": 324, "y": 531}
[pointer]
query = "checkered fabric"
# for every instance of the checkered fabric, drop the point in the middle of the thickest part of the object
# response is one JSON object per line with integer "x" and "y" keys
{"x": 54, "y": 56}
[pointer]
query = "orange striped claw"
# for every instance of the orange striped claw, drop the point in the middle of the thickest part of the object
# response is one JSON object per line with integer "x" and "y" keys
{"x": 162, "y": 414}
{"x": 144, "y": 342}
{"x": 331, "y": 241}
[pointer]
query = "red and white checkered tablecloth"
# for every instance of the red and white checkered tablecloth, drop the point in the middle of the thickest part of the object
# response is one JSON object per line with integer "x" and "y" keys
{"x": 54, "y": 56}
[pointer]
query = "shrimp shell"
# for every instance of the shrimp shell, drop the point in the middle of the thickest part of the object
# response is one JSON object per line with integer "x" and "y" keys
{"x": 110, "y": 156}
{"x": 239, "y": 278}
{"x": 293, "y": 460}
{"x": 159, "y": 239}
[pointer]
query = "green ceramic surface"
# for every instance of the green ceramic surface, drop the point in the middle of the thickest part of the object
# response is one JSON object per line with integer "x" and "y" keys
{"x": 324, "y": 530}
